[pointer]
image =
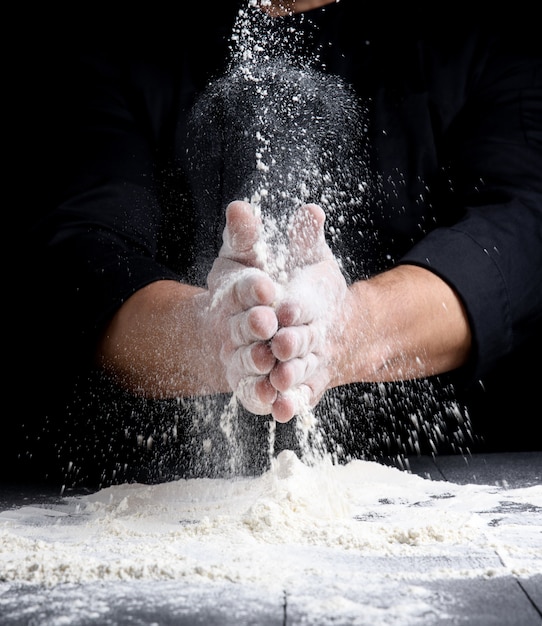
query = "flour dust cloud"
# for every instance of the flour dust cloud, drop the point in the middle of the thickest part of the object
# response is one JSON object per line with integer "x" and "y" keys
{"x": 278, "y": 132}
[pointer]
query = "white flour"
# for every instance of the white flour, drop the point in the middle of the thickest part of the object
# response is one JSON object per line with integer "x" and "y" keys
{"x": 357, "y": 542}
{"x": 273, "y": 529}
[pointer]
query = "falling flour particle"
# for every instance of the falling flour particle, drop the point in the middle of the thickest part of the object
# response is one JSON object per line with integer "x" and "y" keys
{"x": 282, "y": 134}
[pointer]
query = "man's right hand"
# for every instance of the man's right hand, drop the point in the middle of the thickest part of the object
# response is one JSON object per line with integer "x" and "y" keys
{"x": 240, "y": 310}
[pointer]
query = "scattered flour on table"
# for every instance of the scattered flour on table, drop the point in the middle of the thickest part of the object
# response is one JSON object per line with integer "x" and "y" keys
{"x": 274, "y": 529}
{"x": 358, "y": 544}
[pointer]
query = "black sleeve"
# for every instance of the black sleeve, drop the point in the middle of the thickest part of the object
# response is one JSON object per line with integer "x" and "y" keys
{"x": 492, "y": 256}
{"x": 99, "y": 243}
{"x": 119, "y": 215}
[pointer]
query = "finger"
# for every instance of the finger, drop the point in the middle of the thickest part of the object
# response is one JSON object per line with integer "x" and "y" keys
{"x": 306, "y": 235}
{"x": 313, "y": 293}
{"x": 294, "y": 342}
{"x": 264, "y": 360}
{"x": 257, "y": 324}
{"x": 254, "y": 360}
{"x": 283, "y": 409}
{"x": 289, "y": 374}
{"x": 299, "y": 400}
{"x": 254, "y": 288}
{"x": 303, "y": 302}
{"x": 236, "y": 287}
{"x": 241, "y": 234}
{"x": 288, "y": 405}
{"x": 256, "y": 394}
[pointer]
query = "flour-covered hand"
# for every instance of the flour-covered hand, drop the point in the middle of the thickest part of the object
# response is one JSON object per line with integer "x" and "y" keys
{"x": 310, "y": 310}
{"x": 240, "y": 310}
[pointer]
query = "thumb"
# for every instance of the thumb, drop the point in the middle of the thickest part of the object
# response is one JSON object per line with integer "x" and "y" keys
{"x": 307, "y": 243}
{"x": 241, "y": 234}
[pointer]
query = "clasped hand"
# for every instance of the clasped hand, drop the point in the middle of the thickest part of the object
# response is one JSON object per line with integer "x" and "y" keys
{"x": 274, "y": 336}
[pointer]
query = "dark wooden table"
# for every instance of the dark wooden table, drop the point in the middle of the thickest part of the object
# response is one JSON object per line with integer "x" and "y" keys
{"x": 475, "y": 601}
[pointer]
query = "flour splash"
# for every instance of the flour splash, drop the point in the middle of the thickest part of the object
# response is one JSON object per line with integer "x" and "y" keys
{"x": 278, "y": 131}
{"x": 282, "y": 134}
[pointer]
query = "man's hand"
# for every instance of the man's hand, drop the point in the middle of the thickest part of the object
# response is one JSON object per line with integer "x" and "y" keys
{"x": 240, "y": 310}
{"x": 310, "y": 307}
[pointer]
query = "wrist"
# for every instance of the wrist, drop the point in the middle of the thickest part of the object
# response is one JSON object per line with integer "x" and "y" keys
{"x": 402, "y": 324}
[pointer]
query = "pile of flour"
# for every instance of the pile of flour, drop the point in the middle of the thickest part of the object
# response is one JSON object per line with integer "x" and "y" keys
{"x": 274, "y": 529}
{"x": 326, "y": 544}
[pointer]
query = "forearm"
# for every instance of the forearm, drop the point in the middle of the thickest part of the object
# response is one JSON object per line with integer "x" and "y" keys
{"x": 402, "y": 324}
{"x": 157, "y": 345}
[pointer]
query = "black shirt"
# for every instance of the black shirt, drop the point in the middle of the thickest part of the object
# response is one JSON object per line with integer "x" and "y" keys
{"x": 426, "y": 137}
